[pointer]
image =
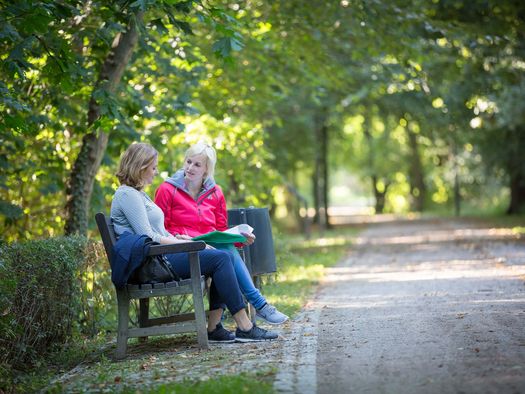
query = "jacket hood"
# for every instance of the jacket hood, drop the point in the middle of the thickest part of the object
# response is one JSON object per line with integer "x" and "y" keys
{"x": 177, "y": 180}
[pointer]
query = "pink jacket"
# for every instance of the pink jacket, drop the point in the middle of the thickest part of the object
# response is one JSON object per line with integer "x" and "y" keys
{"x": 184, "y": 215}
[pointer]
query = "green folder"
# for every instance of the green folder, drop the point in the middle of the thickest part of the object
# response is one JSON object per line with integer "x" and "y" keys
{"x": 220, "y": 237}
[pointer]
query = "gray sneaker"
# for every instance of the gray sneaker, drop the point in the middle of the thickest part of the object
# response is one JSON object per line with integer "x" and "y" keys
{"x": 271, "y": 315}
{"x": 256, "y": 334}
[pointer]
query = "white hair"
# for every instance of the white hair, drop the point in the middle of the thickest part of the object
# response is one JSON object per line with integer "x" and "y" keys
{"x": 202, "y": 148}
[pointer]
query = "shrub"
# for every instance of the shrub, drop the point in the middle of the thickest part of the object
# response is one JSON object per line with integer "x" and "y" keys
{"x": 97, "y": 296}
{"x": 39, "y": 297}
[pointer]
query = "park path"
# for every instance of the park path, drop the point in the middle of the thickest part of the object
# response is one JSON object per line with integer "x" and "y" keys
{"x": 422, "y": 306}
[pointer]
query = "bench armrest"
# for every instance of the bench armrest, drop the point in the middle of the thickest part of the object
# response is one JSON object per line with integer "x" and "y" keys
{"x": 193, "y": 246}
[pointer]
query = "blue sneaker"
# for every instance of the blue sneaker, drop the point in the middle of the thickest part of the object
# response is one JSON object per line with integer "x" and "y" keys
{"x": 220, "y": 334}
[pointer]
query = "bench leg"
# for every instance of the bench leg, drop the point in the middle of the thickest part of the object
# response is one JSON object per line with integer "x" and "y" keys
{"x": 123, "y": 323}
{"x": 198, "y": 301}
{"x": 143, "y": 316}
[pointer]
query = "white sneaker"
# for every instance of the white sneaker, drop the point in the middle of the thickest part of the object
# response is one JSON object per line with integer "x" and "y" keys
{"x": 271, "y": 315}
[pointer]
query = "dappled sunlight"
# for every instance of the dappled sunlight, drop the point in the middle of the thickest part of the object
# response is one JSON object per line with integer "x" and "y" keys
{"x": 297, "y": 273}
{"x": 326, "y": 241}
{"x": 505, "y": 301}
{"x": 400, "y": 301}
{"x": 424, "y": 271}
{"x": 432, "y": 236}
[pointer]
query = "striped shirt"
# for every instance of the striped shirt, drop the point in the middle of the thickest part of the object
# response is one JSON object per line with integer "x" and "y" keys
{"x": 134, "y": 211}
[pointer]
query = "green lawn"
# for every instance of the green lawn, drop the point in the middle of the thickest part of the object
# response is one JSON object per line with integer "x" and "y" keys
{"x": 301, "y": 265}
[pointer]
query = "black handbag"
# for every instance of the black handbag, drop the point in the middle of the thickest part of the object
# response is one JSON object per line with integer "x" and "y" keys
{"x": 155, "y": 269}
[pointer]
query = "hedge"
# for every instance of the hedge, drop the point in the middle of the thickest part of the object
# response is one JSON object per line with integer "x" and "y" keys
{"x": 39, "y": 296}
{"x": 53, "y": 291}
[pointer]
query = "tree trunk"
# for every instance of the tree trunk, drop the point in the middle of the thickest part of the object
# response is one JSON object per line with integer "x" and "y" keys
{"x": 517, "y": 193}
{"x": 457, "y": 191}
{"x": 94, "y": 143}
{"x": 315, "y": 190}
{"x": 379, "y": 195}
{"x": 324, "y": 166}
{"x": 417, "y": 182}
{"x": 321, "y": 170}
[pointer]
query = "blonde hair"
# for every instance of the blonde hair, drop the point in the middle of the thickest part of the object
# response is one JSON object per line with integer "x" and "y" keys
{"x": 134, "y": 162}
{"x": 202, "y": 148}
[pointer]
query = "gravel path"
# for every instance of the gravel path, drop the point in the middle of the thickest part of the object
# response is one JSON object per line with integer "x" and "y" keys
{"x": 423, "y": 306}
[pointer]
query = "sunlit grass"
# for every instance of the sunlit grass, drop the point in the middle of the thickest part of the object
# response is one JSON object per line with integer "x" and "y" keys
{"x": 518, "y": 230}
{"x": 228, "y": 384}
{"x": 301, "y": 266}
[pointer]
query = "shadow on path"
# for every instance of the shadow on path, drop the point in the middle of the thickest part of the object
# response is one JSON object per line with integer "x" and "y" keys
{"x": 431, "y": 306}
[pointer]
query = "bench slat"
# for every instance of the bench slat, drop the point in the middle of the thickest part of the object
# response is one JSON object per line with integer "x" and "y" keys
{"x": 177, "y": 328}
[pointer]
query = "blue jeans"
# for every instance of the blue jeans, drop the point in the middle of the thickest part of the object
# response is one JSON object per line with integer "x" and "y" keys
{"x": 217, "y": 264}
{"x": 252, "y": 294}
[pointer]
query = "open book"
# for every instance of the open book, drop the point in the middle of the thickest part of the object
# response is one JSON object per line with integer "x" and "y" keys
{"x": 230, "y": 236}
{"x": 240, "y": 229}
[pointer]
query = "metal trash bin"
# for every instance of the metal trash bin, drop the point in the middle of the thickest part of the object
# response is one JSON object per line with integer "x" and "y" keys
{"x": 260, "y": 256}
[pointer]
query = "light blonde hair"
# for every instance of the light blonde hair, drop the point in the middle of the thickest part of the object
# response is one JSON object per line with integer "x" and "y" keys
{"x": 134, "y": 162}
{"x": 202, "y": 148}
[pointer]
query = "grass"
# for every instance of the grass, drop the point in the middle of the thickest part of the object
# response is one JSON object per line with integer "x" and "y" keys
{"x": 301, "y": 265}
{"x": 243, "y": 383}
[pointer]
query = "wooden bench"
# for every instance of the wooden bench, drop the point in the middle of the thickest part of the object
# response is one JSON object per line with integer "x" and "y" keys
{"x": 180, "y": 323}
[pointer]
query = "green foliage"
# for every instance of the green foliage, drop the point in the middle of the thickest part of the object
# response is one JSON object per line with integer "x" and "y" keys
{"x": 448, "y": 71}
{"x": 98, "y": 313}
{"x": 51, "y": 59}
{"x": 39, "y": 297}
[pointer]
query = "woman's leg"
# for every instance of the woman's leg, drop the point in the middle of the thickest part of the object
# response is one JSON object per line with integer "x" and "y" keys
{"x": 223, "y": 290}
{"x": 252, "y": 293}
{"x": 218, "y": 265}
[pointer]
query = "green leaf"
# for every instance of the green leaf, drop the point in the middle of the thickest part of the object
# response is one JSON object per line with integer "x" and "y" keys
{"x": 222, "y": 47}
{"x": 10, "y": 211}
{"x": 9, "y": 32}
{"x": 160, "y": 26}
{"x": 183, "y": 26}
{"x": 140, "y": 4}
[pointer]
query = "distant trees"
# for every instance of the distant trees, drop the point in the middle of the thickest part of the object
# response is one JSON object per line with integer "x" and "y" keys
{"x": 423, "y": 101}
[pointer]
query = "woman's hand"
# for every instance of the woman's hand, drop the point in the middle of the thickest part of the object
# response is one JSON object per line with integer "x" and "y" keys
{"x": 209, "y": 247}
{"x": 183, "y": 237}
{"x": 250, "y": 238}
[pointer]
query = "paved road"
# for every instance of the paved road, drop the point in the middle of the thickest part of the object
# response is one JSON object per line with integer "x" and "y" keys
{"x": 417, "y": 307}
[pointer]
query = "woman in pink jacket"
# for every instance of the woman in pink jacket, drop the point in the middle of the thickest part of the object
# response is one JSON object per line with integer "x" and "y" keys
{"x": 194, "y": 204}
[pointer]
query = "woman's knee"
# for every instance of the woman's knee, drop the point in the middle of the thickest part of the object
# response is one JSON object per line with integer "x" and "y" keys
{"x": 217, "y": 258}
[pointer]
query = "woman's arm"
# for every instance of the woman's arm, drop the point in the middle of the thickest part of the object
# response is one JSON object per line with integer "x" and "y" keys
{"x": 221, "y": 217}
{"x": 131, "y": 204}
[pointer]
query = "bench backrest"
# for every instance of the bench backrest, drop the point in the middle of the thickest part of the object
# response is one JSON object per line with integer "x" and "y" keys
{"x": 107, "y": 233}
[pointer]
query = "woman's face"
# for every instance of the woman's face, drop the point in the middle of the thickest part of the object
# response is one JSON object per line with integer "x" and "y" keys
{"x": 195, "y": 168}
{"x": 150, "y": 172}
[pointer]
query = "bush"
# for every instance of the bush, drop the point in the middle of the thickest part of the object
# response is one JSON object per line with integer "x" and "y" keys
{"x": 39, "y": 297}
{"x": 97, "y": 296}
